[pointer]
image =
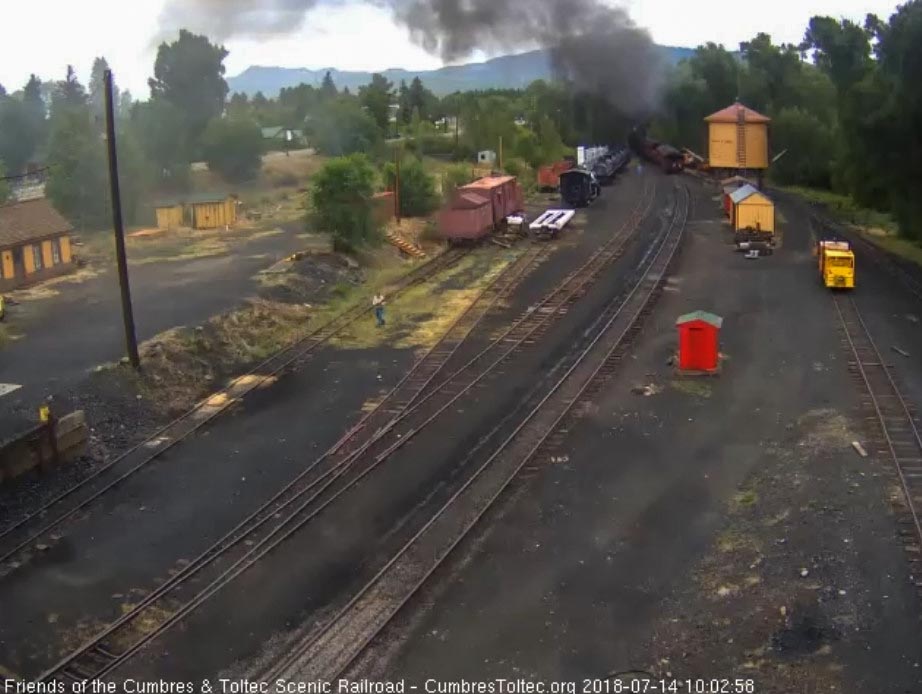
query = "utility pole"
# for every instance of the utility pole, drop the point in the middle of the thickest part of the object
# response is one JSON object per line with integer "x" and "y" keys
{"x": 397, "y": 184}
{"x": 500, "y": 152}
{"x": 131, "y": 340}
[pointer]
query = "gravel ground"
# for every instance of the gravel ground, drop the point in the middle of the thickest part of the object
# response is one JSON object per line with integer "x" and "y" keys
{"x": 717, "y": 528}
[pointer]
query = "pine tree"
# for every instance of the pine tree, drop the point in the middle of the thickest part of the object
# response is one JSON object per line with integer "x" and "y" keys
{"x": 328, "y": 87}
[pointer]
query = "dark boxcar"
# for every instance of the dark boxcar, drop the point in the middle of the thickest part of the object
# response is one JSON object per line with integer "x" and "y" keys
{"x": 579, "y": 187}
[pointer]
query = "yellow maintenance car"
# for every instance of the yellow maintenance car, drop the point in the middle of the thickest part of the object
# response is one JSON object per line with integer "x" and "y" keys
{"x": 837, "y": 264}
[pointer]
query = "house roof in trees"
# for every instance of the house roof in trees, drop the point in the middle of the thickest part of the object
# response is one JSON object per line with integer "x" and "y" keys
{"x": 731, "y": 115}
{"x": 278, "y": 132}
{"x": 30, "y": 220}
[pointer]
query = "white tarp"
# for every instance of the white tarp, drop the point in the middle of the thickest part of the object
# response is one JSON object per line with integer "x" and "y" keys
{"x": 7, "y": 388}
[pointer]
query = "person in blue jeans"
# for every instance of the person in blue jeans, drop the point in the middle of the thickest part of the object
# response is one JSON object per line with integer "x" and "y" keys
{"x": 378, "y": 303}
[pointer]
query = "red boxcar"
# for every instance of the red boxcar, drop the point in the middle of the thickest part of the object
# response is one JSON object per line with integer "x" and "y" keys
{"x": 480, "y": 207}
{"x": 469, "y": 216}
{"x": 549, "y": 176}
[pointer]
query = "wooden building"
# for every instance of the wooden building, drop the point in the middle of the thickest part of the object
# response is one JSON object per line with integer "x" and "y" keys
{"x": 699, "y": 342}
{"x": 752, "y": 210}
{"x": 738, "y": 139}
{"x": 170, "y": 216}
{"x": 34, "y": 243}
{"x": 199, "y": 211}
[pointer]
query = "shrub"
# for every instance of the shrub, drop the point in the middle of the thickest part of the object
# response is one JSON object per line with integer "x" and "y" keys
{"x": 417, "y": 188}
{"x": 455, "y": 176}
{"x": 233, "y": 148}
{"x": 341, "y": 194}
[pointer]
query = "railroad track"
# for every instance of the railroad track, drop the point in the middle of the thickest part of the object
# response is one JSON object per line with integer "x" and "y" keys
{"x": 898, "y": 432}
{"x": 327, "y": 653}
{"x": 19, "y": 536}
{"x": 408, "y": 408}
{"x": 108, "y": 648}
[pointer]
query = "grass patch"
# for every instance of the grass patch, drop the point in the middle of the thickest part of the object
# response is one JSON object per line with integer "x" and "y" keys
{"x": 844, "y": 208}
{"x": 745, "y": 498}
{"x": 877, "y": 227}
{"x": 420, "y": 315}
{"x": 698, "y": 388}
{"x": 7, "y": 335}
{"x": 896, "y": 245}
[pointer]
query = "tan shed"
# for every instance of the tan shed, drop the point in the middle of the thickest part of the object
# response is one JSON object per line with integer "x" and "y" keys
{"x": 169, "y": 216}
{"x": 199, "y": 211}
{"x": 738, "y": 138}
{"x": 752, "y": 210}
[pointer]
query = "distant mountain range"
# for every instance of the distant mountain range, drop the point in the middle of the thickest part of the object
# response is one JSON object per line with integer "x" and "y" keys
{"x": 506, "y": 72}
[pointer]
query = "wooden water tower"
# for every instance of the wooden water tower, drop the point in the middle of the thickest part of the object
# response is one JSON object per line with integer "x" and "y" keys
{"x": 738, "y": 141}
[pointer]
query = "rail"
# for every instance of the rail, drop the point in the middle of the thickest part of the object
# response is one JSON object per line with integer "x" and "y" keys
{"x": 901, "y": 438}
{"x": 98, "y": 657}
{"x": 194, "y": 419}
{"x": 328, "y": 653}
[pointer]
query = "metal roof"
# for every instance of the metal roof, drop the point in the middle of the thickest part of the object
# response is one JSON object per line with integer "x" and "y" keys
{"x": 30, "y": 220}
{"x": 732, "y": 113}
{"x": 745, "y": 193}
{"x": 489, "y": 182}
{"x": 705, "y": 316}
{"x": 472, "y": 198}
{"x": 192, "y": 199}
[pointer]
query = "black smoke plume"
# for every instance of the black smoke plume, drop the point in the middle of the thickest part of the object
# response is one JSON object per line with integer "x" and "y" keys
{"x": 594, "y": 46}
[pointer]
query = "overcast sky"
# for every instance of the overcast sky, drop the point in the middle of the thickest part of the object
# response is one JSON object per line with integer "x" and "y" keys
{"x": 43, "y": 36}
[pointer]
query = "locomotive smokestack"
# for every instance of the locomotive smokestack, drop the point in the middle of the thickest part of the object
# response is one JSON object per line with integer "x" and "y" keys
{"x": 594, "y": 46}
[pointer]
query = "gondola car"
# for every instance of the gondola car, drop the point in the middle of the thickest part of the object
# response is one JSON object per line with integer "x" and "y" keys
{"x": 579, "y": 187}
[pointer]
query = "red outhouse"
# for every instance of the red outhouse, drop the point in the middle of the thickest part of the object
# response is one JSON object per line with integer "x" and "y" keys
{"x": 699, "y": 348}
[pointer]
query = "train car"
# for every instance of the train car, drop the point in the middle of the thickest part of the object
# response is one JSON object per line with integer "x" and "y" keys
{"x": 479, "y": 208}
{"x": 549, "y": 176}
{"x": 666, "y": 157}
{"x": 669, "y": 159}
{"x": 579, "y": 187}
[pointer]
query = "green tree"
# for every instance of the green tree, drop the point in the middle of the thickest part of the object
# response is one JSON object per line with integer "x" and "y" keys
{"x": 233, "y": 148}
{"x": 894, "y": 127}
{"x": 97, "y": 92}
{"x": 189, "y": 73}
{"x": 341, "y": 127}
{"x": 403, "y": 102}
{"x": 328, "y": 87}
{"x": 17, "y": 143}
{"x": 159, "y": 127}
{"x": 810, "y": 146}
{"x": 342, "y": 194}
{"x": 376, "y": 97}
{"x": 454, "y": 177}
{"x": 124, "y": 105}
{"x": 417, "y": 188}
{"x": 77, "y": 183}
{"x": 720, "y": 71}
{"x": 418, "y": 97}
{"x": 69, "y": 93}
{"x": 4, "y": 185}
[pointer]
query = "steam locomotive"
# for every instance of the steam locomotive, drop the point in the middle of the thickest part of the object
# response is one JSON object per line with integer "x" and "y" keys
{"x": 667, "y": 157}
